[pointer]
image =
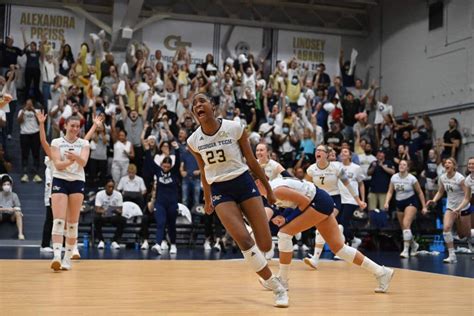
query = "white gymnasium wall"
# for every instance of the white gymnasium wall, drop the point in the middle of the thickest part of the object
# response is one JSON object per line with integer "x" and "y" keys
{"x": 424, "y": 70}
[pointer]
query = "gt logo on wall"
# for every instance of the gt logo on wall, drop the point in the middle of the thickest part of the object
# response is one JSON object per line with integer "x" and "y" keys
{"x": 173, "y": 42}
{"x": 170, "y": 35}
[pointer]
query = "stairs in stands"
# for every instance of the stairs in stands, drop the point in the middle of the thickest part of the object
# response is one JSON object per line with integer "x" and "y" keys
{"x": 30, "y": 194}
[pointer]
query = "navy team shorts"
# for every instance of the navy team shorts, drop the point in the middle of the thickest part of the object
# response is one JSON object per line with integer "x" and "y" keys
{"x": 238, "y": 190}
{"x": 411, "y": 201}
{"x": 337, "y": 201}
{"x": 67, "y": 187}
{"x": 323, "y": 202}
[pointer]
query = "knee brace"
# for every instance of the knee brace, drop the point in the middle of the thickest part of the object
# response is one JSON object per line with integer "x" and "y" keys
{"x": 448, "y": 237}
{"x": 58, "y": 227}
{"x": 407, "y": 235}
{"x": 284, "y": 242}
{"x": 347, "y": 253}
{"x": 255, "y": 258}
{"x": 319, "y": 238}
{"x": 71, "y": 231}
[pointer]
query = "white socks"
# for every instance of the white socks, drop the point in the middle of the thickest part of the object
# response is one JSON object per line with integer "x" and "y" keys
{"x": 69, "y": 250}
{"x": 371, "y": 266}
{"x": 57, "y": 246}
{"x": 284, "y": 270}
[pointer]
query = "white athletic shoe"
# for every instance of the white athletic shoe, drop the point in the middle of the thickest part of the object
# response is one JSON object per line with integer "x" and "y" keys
{"x": 404, "y": 253}
{"x": 312, "y": 262}
{"x": 46, "y": 249}
{"x": 114, "y": 245}
{"x": 156, "y": 248}
{"x": 66, "y": 264}
{"x": 101, "y": 245}
{"x": 75, "y": 254}
{"x": 145, "y": 245}
{"x": 305, "y": 248}
{"x": 296, "y": 247}
{"x": 356, "y": 242}
{"x": 414, "y": 249}
{"x": 207, "y": 245}
{"x": 173, "y": 249}
{"x": 281, "y": 294}
{"x": 217, "y": 247}
{"x": 56, "y": 264}
{"x": 337, "y": 258}
{"x": 384, "y": 280}
{"x": 266, "y": 286}
{"x": 451, "y": 259}
{"x": 164, "y": 245}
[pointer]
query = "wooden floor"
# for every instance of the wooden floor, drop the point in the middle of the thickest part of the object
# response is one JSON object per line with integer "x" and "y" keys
{"x": 220, "y": 287}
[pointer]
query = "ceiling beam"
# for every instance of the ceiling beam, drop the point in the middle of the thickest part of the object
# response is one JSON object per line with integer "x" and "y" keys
{"x": 265, "y": 24}
{"x": 80, "y": 11}
{"x": 308, "y": 6}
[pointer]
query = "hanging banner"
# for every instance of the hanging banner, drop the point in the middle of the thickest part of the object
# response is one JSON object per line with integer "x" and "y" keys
{"x": 236, "y": 40}
{"x": 55, "y": 24}
{"x": 168, "y": 36}
{"x": 310, "y": 49}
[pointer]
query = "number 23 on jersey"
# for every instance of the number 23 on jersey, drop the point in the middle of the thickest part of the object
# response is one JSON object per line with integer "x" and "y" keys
{"x": 215, "y": 156}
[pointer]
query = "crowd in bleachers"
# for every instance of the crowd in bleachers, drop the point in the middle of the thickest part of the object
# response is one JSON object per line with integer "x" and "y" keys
{"x": 146, "y": 105}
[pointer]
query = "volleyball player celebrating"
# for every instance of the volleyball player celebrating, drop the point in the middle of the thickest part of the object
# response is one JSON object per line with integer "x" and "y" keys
{"x": 272, "y": 168}
{"x": 48, "y": 223}
{"x": 326, "y": 174}
{"x": 317, "y": 209}
{"x": 220, "y": 147}
{"x": 69, "y": 155}
{"x": 457, "y": 208}
{"x": 406, "y": 188}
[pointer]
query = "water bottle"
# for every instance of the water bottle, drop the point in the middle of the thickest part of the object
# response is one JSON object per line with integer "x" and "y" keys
{"x": 137, "y": 245}
{"x": 85, "y": 241}
{"x": 107, "y": 244}
{"x": 439, "y": 225}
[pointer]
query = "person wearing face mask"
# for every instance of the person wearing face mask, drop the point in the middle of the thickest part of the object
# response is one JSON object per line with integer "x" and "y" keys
{"x": 166, "y": 199}
{"x": 10, "y": 207}
{"x": 268, "y": 130}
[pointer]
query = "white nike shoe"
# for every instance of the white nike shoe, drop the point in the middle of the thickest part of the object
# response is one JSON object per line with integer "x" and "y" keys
{"x": 312, "y": 262}
{"x": 56, "y": 264}
{"x": 281, "y": 294}
{"x": 404, "y": 253}
{"x": 66, "y": 264}
{"x": 164, "y": 245}
{"x": 173, "y": 249}
{"x": 356, "y": 242}
{"x": 75, "y": 254}
{"x": 414, "y": 249}
{"x": 101, "y": 245}
{"x": 207, "y": 245}
{"x": 145, "y": 245}
{"x": 267, "y": 286}
{"x": 46, "y": 250}
{"x": 384, "y": 280}
{"x": 451, "y": 259}
{"x": 157, "y": 248}
{"x": 114, "y": 245}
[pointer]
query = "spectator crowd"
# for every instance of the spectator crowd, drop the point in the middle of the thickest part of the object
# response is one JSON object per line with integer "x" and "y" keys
{"x": 146, "y": 105}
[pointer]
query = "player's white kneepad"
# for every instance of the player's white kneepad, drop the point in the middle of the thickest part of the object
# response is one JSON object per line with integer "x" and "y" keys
{"x": 72, "y": 230}
{"x": 255, "y": 258}
{"x": 285, "y": 243}
{"x": 347, "y": 253}
{"x": 58, "y": 227}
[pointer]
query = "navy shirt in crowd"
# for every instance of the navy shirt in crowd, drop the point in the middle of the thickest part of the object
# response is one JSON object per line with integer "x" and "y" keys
{"x": 381, "y": 179}
{"x": 9, "y": 55}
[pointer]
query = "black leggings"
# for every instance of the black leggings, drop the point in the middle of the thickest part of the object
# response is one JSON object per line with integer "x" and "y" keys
{"x": 33, "y": 75}
{"x": 116, "y": 220}
{"x": 47, "y": 227}
{"x": 30, "y": 142}
{"x": 345, "y": 219}
{"x": 147, "y": 219}
{"x": 210, "y": 230}
{"x": 97, "y": 171}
